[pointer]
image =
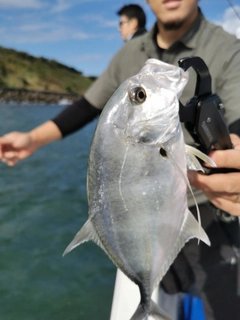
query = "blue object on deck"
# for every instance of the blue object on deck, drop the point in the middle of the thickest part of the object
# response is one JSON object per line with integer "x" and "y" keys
{"x": 193, "y": 308}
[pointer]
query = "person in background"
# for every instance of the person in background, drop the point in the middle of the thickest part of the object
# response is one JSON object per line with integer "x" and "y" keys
{"x": 212, "y": 273}
{"x": 132, "y": 21}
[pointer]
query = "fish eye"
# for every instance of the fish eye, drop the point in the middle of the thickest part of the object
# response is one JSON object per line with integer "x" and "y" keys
{"x": 137, "y": 95}
{"x": 163, "y": 152}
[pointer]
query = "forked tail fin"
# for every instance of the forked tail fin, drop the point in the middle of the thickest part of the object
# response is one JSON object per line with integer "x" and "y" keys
{"x": 154, "y": 311}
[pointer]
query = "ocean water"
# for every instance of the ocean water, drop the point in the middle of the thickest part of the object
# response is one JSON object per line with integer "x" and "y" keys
{"x": 42, "y": 206}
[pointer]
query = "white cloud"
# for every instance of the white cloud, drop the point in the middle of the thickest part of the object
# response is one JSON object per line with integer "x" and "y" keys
{"x": 38, "y": 27}
{"x": 41, "y": 33}
{"x": 61, "y": 5}
{"x": 230, "y": 21}
{"x": 21, "y": 4}
{"x": 33, "y": 27}
{"x": 101, "y": 21}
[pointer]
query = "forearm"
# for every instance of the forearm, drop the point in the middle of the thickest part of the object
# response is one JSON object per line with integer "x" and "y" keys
{"x": 44, "y": 134}
{"x": 75, "y": 116}
{"x": 68, "y": 121}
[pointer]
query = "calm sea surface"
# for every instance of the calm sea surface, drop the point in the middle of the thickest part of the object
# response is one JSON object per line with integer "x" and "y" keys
{"x": 42, "y": 206}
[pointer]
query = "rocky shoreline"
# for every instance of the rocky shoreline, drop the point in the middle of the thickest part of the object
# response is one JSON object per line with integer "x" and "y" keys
{"x": 8, "y": 95}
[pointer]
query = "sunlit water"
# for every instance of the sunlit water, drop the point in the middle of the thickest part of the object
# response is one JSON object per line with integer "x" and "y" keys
{"x": 42, "y": 206}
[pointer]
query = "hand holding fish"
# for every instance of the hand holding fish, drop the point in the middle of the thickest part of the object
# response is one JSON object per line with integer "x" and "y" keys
{"x": 223, "y": 190}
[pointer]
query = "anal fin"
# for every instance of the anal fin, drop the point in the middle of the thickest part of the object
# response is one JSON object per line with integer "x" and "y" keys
{"x": 191, "y": 229}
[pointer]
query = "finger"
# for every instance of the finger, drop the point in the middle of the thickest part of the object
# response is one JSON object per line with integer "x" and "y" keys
{"x": 3, "y": 160}
{"x": 11, "y": 162}
{"x": 226, "y": 205}
{"x": 227, "y": 158}
{"x": 234, "y": 197}
{"x": 10, "y": 158}
{"x": 227, "y": 182}
{"x": 235, "y": 140}
{"x": 3, "y": 147}
{"x": 9, "y": 155}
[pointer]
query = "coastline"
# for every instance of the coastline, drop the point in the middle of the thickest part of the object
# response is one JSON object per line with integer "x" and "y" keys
{"x": 9, "y": 95}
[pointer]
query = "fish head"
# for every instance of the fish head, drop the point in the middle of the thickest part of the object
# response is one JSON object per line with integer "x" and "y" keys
{"x": 153, "y": 106}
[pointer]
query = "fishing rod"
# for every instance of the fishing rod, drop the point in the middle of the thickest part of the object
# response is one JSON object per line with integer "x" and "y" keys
{"x": 233, "y": 8}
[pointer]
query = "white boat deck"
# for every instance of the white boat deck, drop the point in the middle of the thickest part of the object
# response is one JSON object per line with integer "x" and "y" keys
{"x": 126, "y": 298}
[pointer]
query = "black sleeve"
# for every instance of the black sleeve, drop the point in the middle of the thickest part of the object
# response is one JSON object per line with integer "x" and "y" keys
{"x": 75, "y": 116}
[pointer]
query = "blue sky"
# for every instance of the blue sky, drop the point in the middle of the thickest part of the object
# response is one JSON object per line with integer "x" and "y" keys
{"x": 83, "y": 34}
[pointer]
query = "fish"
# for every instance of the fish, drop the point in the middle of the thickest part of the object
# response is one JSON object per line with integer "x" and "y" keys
{"x": 137, "y": 181}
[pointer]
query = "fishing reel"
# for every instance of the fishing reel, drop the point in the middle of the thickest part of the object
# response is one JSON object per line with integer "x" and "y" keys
{"x": 203, "y": 115}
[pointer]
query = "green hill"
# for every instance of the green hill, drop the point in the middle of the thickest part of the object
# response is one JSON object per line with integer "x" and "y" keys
{"x": 22, "y": 71}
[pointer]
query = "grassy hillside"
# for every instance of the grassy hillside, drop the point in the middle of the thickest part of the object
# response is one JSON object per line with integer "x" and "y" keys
{"x": 23, "y": 71}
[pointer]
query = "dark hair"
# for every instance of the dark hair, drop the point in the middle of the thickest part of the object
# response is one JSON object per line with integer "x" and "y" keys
{"x": 134, "y": 11}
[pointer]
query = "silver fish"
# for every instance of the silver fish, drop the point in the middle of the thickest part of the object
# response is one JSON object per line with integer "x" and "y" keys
{"x": 137, "y": 181}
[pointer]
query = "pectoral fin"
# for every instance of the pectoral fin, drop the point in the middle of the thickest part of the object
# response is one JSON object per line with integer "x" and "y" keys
{"x": 192, "y": 161}
{"x": 86, "y": 233}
